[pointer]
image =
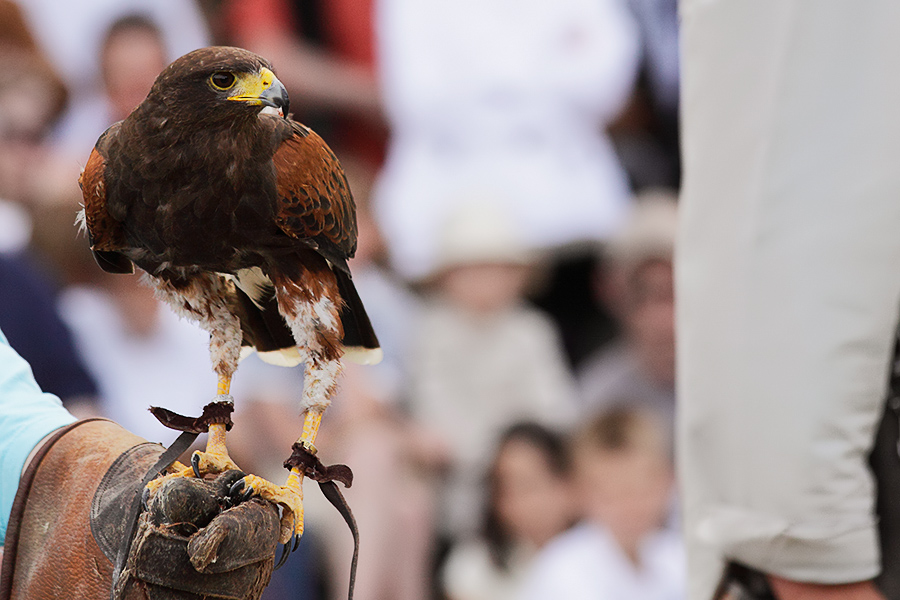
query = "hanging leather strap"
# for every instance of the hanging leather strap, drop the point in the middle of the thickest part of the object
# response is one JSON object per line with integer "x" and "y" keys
{"x": 326, "y": 476}
{"x": 181, "y": 443}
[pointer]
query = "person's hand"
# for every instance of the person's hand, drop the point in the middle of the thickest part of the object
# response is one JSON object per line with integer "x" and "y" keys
{"x": 786, "y": 589}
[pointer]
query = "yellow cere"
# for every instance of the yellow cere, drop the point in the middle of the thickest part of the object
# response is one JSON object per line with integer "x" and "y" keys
{"x": 250, "y": 85}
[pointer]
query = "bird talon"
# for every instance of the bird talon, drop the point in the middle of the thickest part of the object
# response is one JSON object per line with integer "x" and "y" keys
{"x": 156, "y": 483}
{"x": 145, "y": 498}
{"x": 285, "y": 551}
{"x": 288, "y": 497}
{"x": 211, "y": 462}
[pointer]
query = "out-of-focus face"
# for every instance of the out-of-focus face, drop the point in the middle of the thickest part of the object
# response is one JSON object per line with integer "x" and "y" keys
{"x": 650, "y": 318}
{"x": 484, "y": 287}
{"x": 532, "y": 502}
{"x": 131, "y": 61}
{"x": 629, "y": 492}
{"x": 25, "y": 111}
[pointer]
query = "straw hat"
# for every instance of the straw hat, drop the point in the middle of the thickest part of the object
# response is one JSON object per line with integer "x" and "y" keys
{"x": 480, "y": 232}
{"x": 649, "y": 231}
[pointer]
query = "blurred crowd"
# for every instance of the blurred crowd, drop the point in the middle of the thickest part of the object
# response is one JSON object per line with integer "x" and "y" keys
{"x": 515, "y": 167}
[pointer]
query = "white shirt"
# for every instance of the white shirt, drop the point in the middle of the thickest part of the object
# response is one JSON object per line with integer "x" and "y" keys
{"x": 471, "y": 574}
{"x": 586, "y": 563}
{"x": 507, "y": 99}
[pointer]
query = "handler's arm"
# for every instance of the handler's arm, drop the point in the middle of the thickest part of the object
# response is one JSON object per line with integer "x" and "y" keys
{"x": 27, "y": 415}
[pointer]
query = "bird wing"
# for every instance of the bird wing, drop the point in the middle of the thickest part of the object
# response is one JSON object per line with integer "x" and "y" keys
{"x": 104, "y": 232}
{"x": 314, "y": 201}
{"x": 316, "y": 207}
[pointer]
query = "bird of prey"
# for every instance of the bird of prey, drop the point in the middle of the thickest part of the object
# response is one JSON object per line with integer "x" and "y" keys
{"x": 243, "y": 221}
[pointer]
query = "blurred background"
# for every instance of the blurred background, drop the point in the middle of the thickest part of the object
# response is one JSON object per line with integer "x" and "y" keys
{"x": 515, "y": 167}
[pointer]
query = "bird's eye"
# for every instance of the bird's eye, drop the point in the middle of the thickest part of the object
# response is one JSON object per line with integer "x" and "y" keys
{"x": 222, "y": 80}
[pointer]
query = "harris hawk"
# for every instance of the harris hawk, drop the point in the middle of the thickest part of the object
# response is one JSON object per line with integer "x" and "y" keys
{"x": 243, "y": 221}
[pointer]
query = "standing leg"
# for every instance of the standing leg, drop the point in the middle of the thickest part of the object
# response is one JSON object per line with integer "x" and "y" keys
{"x": 310, "y": 308}
{"x": 203, "y": 298}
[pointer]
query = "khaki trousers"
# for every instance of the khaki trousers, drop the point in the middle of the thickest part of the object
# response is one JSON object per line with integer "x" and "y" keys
{"x": 788, "y": 281}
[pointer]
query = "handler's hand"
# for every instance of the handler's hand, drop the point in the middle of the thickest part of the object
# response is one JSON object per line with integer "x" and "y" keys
{"x": 786, "y": 589}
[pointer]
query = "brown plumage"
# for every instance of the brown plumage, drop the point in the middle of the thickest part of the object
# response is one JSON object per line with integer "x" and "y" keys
{"x": 186, "y": 185}
{"x": 242, "y": 220}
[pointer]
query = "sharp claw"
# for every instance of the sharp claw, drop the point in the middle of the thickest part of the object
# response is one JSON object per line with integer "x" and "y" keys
{"x": 236, "y": 487}
{"x": 240, "y": 492}
{"x": 195, "y": 464}
{"x": 145, "y": 498}
{"x": 284, "y": 554}
{"x": 296, "y": 542}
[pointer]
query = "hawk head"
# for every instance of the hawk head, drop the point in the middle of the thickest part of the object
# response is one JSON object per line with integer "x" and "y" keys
{"x": 219, "y": 83}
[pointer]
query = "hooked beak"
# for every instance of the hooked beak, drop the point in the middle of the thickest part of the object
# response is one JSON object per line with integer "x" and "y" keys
{"x": 276, "y": 96}
{"x": 262, "y": 89}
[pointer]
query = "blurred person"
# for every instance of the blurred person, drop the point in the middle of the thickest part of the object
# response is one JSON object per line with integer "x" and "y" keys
{"x": 324, "y": 50}
{"x": 622, "y": 549}
{"x": 131, "y": 51}
{"x": 72, "y": 35}
{"x": 529, "y": 503}
{"x": 637, "y": 283}
{"x": 507, "y": 97}
{"x": 32, "y": 98}
{"x": 481, "y": 358}
{"x": 132, "y": 54}
{"x": 788, "y": 292}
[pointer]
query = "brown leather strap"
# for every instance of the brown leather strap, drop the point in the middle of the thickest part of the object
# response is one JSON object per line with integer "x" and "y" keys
{"x": 333, "y": 493}
{"x": 313, "y": 468}
{"x": 214, "y": 412}
{"x": 301, "y": 458}
{"x": 18, "y": 507}
{"x": 181, "y": 443}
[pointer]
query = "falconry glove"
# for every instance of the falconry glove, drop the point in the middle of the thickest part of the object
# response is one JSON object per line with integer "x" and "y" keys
{"x": 73, "y": 509}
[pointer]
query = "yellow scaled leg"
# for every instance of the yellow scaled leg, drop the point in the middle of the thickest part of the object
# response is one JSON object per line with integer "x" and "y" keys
{"x": 290, "y": 495}
{"x": 214, "y": 460}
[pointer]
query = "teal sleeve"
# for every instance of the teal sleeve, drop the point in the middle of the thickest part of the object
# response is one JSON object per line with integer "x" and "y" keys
{"x": 27, "y": 415}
